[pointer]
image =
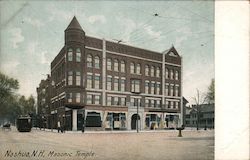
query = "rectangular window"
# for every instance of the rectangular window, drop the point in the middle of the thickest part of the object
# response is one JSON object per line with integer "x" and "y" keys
{"x": 176, "y": 90}
{"x": 78, "y": 57}
{"x": 166, "y": 104}
{"x": 146, "y": 102}
{"x": 116, "y": 84}
{"x": 78, "y": 97}
{"x": 158, "y": 103}
{"x": 70, "y": 56}
{"x": 109, "y": 64}
{"x": 109, "y": 83}
{"x": 97, "y": 99}
{"x": 97, "y": 82}
{"x": 69, "y": 97}
{"x": 158, "y": 88}
{"x": 122, "y": 85}
{"x": 176, "y": 105}
{"x": 116, "y": 101}
{"x": 152, "y": 103}
{"x": 171, "y": 104}
{"x": 152, "y": 87}
{"x": 135, "y": 86}
{"x": 171, "y": 90}
{"x": 89, "y": 99}
{"x": 123, "y": 101}
{"x": 70, "y": 78}
{"x": 122, "y": 66}
{"x": 146, "y": 87}
{"x": 89, "y": 81}
{"x": 166, "y": 89}
{"x": 78, "y": 78}
{"x": 109, "y": 99}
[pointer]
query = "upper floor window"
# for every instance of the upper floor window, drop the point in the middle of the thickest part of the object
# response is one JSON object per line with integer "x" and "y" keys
{"x": 176, "y": 105}
{"x": 158, "y": 86}
{"x": 123, "y": 84}
{"x": 70, "y": 54}
{"x": 109, "y": 83}
{"x": 89, "y": 60}
{"x": 97, "y": 62}
{"x": 167, "y": 73}
{"x": 152, "y": 71}
{"x": 135, "y": 86}
{"x": 116, "y": 101}
{"x": 78, "y": 55}
{"x": 132, "y": 68}
{"x": 146, "y": 102}
{"x": 158, "y": 72}
{"x": 78, "y": 97}
{"x": 109, "y": 64}
{"x": 97, "y": 81}
{"x": 89, "y": 99}
{"x": 147, "y": 70}
{"x": 89, "y": 81}
{"x": 138, "y": 69}
{"x": 147, "y": 86}
{"x": 97, "y": 99}
{"x": 166, "y": 89}
{"x": 177, "y": 90}
{"x": 123, "y": 101}
{"x": 135, "y": 101}
{"x": 69, "y": 97}
{"x": 70, "y": 78}
{"x": 152, "y": 87}
{"x": 78, "y": 78}
{"x": 109, "y": 100}
{"x": 171, "y": 90}
{"x": 122, "y": 66}
{"x": 171, "y": 74}
{"x": 116, "y": 65}
{"x": 116, "y": 84}
{"x": 176, "y": 75}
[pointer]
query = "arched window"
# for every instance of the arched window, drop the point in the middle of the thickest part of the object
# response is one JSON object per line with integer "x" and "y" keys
{"x": 138, "y": 69}
{"x": 122, "y": 66}
{"x": 152, "y": 71}
{"x": 171, "y": 74}
{"x": 116, "y": 65}
{"x": 176, "y": 75}
{"x": 109, "y": 64}
{"x": 132, "y": 67}
{"x": 78, "y": 55}
{"x": 97, "y": 62}
{"x": 89, "y": 60}
{"x": 70, "y": 54}
{"x": 147, "y": 70}
{"x": 158, "y": 72}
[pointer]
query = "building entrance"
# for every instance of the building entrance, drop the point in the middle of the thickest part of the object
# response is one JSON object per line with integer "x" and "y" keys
{"x": 133, "y": 121}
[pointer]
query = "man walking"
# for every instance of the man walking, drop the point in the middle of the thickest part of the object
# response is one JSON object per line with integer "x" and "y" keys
{"x": 58, "y": 126}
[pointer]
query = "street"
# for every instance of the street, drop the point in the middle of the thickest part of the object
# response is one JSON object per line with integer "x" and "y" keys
{"x": 146, "y": 145}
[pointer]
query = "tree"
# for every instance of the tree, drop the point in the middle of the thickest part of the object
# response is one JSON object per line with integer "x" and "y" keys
{"x": 210, "y": 92}
{"x": 7, "y": 87}
{"x": 199, "y": 100}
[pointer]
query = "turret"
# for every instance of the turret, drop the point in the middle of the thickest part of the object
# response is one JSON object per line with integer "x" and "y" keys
{"x": 74, "y": 32}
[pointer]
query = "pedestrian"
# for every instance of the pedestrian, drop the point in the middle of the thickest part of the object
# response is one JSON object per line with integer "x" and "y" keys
{"x": 58, "y": 126}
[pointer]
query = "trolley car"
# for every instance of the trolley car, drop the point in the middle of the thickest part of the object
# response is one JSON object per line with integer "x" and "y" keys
{"x": 24, "y": 124}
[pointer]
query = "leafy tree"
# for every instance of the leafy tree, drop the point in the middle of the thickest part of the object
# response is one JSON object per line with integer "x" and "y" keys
{"x": 7, "y": 88}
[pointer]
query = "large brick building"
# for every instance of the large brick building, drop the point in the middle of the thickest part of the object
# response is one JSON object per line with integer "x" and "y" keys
{"x": 101, "y": 83}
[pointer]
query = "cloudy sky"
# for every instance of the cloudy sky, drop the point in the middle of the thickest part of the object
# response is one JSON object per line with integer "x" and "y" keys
{"x": 32, "y": 34}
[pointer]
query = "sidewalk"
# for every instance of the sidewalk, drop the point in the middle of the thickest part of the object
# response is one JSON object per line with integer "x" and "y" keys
{"x": 120, "y": 131}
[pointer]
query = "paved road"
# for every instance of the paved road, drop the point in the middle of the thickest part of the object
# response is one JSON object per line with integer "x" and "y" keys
{"x": 164, "y": 145}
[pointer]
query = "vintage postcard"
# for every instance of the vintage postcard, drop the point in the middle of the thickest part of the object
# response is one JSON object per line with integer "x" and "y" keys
{"x": 107, "y": 80}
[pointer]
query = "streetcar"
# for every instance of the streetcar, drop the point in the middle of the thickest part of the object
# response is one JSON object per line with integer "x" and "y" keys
{"x": 24, "y": 124}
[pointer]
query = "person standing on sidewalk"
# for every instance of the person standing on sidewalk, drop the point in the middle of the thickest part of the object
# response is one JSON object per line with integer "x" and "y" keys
{"x": 58, "y": 126}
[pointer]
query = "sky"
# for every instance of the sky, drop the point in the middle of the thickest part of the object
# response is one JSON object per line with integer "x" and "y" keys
{"x": 32, "y": 34}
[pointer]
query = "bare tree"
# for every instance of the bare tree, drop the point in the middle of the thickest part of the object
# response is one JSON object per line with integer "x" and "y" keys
{"x": 199, "y": 100}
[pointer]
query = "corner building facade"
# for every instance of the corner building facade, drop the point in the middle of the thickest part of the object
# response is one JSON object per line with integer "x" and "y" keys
{"x": 101, "y": 83}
